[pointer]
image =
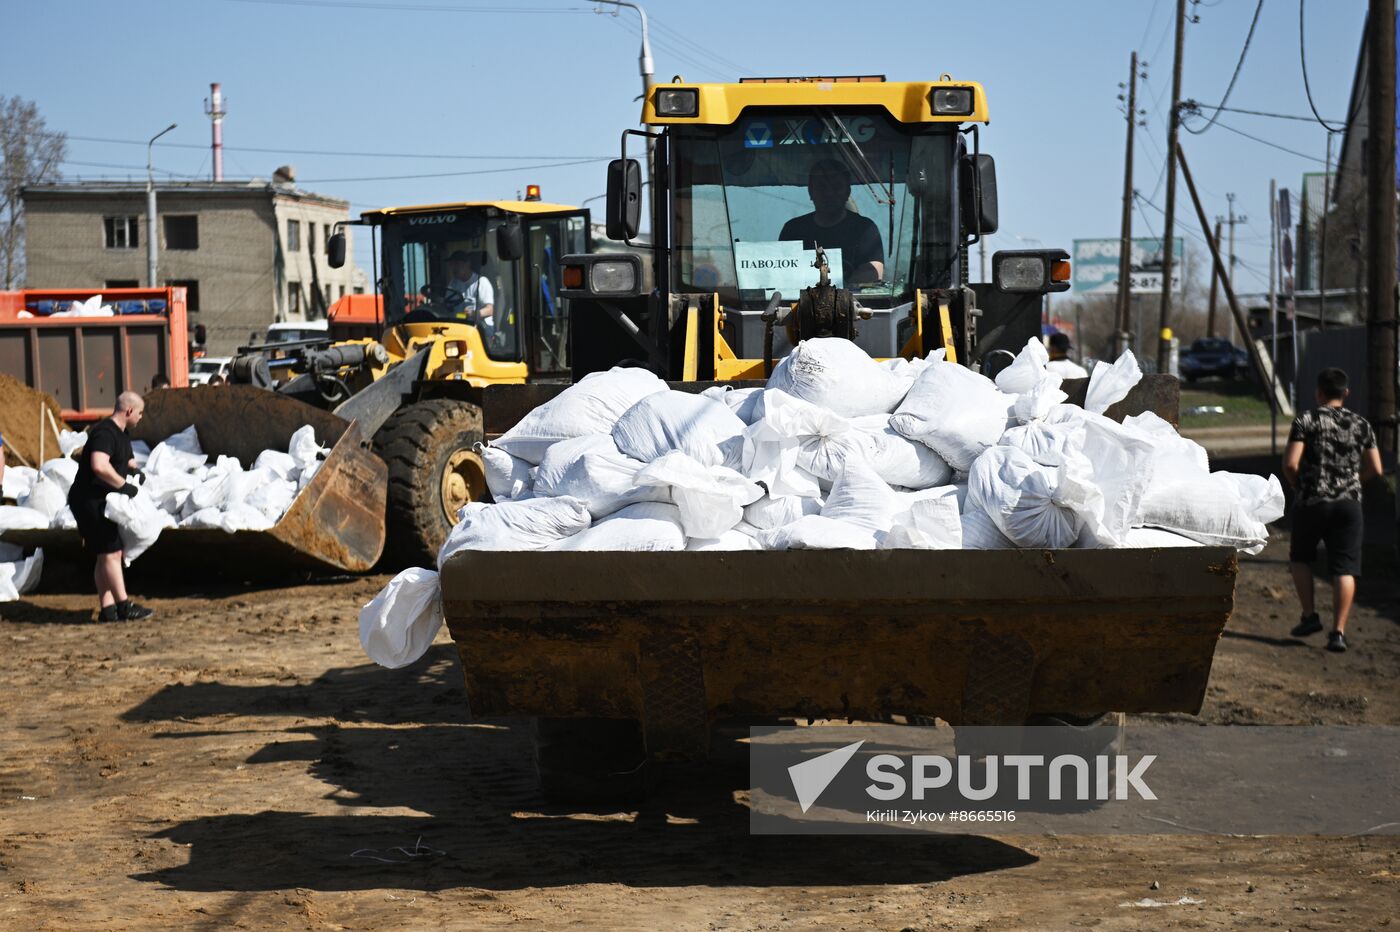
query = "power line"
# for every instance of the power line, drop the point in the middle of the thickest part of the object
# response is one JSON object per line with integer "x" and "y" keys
{"x": 1307, "y": 87}
{"x": 414, "y": 7}
{"x": 1238, "y": 65}
{"x": 1272, "y": 145}
{"x": 327, "y": 152}
{"x": 1197, "y": 105}
{"x": 479, "y": 171}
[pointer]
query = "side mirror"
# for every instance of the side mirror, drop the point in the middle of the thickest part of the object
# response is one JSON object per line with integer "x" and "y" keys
{"x": 335, "y": 250}
{"x": 977, "y": 181}
{"x": 624, "y": 218}
{"x": 510, "y": 241}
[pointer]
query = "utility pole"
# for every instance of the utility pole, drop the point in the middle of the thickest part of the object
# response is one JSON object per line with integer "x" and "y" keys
{"x": 1273, "y": 299}
{"x": 1380, "y": 222}
{"x": 1215, "y": 284}
{"x": 1125, "y": 240}
{"x": 1232, "y": 220}
{"x": 151, "y": 232}
{"x": 1173, "y": 125}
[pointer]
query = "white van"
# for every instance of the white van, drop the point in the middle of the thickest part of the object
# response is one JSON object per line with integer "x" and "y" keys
{"x": 295, "y": 330}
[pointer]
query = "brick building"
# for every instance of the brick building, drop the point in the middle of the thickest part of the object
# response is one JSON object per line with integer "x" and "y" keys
{"x": 249, "y": 252}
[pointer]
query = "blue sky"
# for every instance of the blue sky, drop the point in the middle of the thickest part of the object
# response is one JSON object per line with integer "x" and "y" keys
{"x": 547, "y": 82}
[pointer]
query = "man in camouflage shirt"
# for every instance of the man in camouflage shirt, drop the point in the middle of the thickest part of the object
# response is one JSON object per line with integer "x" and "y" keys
{"x": 1331, "y": 451}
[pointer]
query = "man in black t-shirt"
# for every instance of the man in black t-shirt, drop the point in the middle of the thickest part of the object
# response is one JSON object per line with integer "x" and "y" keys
{"x": 1331, "y": 451}
{"x": 832, "y": 226}
{"x": 105, "y": 462}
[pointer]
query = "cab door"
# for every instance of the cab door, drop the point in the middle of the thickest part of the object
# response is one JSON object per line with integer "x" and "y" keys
{"x": 548, "y": 241}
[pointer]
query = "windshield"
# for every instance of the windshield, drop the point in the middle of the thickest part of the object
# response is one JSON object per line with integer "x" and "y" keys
{"x": 754, "y": 200}
{"x": 444, "y": 267}
{"x": 293, "y": 335}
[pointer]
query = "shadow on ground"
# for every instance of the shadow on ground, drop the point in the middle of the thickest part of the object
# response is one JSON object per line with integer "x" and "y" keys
{"x": 430, "y": 800}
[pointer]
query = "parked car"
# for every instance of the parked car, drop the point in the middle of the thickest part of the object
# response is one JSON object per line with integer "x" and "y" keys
{"x": 204, "y": 368}
{"x": 1213, "y": 356}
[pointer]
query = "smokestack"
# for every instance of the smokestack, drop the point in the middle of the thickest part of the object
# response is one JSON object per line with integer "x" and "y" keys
{"x": 214, "y": 109}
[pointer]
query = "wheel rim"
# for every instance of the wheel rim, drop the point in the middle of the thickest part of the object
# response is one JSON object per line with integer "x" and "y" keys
{"x": 463, "y": 481}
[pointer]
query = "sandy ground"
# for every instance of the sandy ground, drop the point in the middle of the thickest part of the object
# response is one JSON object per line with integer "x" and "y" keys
{"x": 236, "y": 762}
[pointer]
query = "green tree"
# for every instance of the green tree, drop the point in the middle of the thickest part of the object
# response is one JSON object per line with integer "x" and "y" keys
{"x": 31, "y": 154}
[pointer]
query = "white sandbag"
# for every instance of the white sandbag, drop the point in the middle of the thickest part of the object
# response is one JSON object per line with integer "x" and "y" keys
{"x": 838, "y": 376}
{"x": 1173, "y": 455}
{"x": 1037, "y": 401}
{"x": 817, "y": 532}
{"x": 1109, "y": 385}
{"x": 309, "y": 473}
{"x": 1026, "y": 371}
{"x": 398, "y": 625}
{"x": 303, "y": 447}
{"x": 45, "y": 496}
{"x": 241, "y": 485}
{"x": 70, "y": 441}
{"x": 61, "y": 471}
{"x": 17, "y": 482}
{"x": 593, "y": 470}
{"x": 204, "y": 518}
{"x": 19, "y": 518}
{"x": 643, "y": 527}
{"x": 139, "y": 522}
{"x": 1031, "y": 504}
{"x": 64, "y": 520}
{"x": 767, "y": 512}
{"x": 931, "y": 523}
{"x": 1208, "y": 510}
{"x": 590, "y": 406}
{"x": 19, "y": 574}
{"x": 862, "y": 499}
{"x": 746, "y": 403}
{"x": 185, "y": 441}
{"x": 730, "y": 540}
{"x": 980, "y": 533}
{"x": 241, "y": 516}
{"x": 900, "y": 461}
{"x": 211, "y": 493}
{"x": 1152, "y": 537}
{"x": 170, "y": 491}
{"x": 953, "y": 411}
{"x": 507, "y": 476}
{"x": 168, "y": 457}
{"x": 280, "y": 464}
{"x": 532, "y": 524}
{"x": 272, "y": 499}
{"x": 711, "y": 499}
{"x": 1260, "y": 496}
{"x": 666, "y": 422}
{"x": 772, "y": 446}
{"x": 140, "y": 453}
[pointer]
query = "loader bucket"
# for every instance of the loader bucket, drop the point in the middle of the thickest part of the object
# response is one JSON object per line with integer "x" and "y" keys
{"x": 335, "y": 524}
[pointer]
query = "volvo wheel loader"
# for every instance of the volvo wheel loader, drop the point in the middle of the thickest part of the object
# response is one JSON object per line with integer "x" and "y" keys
{"x": 783, "y": 209}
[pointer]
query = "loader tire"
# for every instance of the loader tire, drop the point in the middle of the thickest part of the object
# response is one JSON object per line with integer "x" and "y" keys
{"x": 591, "y": 760}
{"x": 433, "y": 471}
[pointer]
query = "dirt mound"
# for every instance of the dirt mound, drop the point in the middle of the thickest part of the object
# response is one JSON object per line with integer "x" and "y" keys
{"x": 20, "y": 419}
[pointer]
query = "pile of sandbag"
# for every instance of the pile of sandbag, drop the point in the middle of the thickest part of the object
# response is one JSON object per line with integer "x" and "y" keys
{"x": 839, "y": 451}
{"x": 180, "y": 486}
{"x": 18, "y": 573}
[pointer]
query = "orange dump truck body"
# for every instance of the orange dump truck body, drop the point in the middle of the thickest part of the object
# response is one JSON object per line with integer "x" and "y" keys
{"x": 357, "y": 317}
{"x": 86, "y": 362}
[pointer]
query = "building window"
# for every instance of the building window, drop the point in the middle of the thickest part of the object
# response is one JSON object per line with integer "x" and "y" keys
{"x": 293, "y": 296}
{"x": 122, "y": 283}
{"x": 293, "y": 236}
{"x": 311, "y": 238}
{"x": 326, "y": 235}
{"x": 181, "y": 231}
{"x": 342, "y": 291}
{"x": 328, "y": 296}
{"x": 191, "y": 287}
{"x": 121, "y": 232}
{"x": 359, "y": 290}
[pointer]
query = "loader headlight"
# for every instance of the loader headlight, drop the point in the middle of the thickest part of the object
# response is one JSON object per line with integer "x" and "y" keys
{"x": 951, "y": 101}
{"x": 1030, "y": 271}
{"x": 678, "y": 102}
{"x": 612, "y": 277}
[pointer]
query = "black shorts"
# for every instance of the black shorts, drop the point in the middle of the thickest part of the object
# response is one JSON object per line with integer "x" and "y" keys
{"x": 1339, "y": 525}
{"x": 100, "y": 535}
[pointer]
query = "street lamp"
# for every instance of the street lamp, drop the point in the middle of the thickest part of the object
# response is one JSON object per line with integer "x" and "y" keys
{"x": 151, "y": 211}
{"x": 644, "y": 65}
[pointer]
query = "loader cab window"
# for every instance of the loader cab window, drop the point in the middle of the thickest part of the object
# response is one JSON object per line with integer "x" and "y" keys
{"x": 550, "y": 240}
{"x": 751, "y": 202}
{"x": 444, "y": 267}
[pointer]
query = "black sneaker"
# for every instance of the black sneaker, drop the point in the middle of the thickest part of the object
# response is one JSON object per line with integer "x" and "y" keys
{"x": 1308, "y": 624}
{"x": 1336, "y": 643}
{"x": 130, "y": 611}
{"x": 107, "y": 614}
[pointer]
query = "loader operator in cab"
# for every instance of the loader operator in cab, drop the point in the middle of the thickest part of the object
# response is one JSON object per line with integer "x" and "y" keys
{"x": 833, "y": 225}
{"x": 469, "y": 293}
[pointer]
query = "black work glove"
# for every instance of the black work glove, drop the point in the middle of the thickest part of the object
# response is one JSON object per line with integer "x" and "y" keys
{"x": 129, "y": 490}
